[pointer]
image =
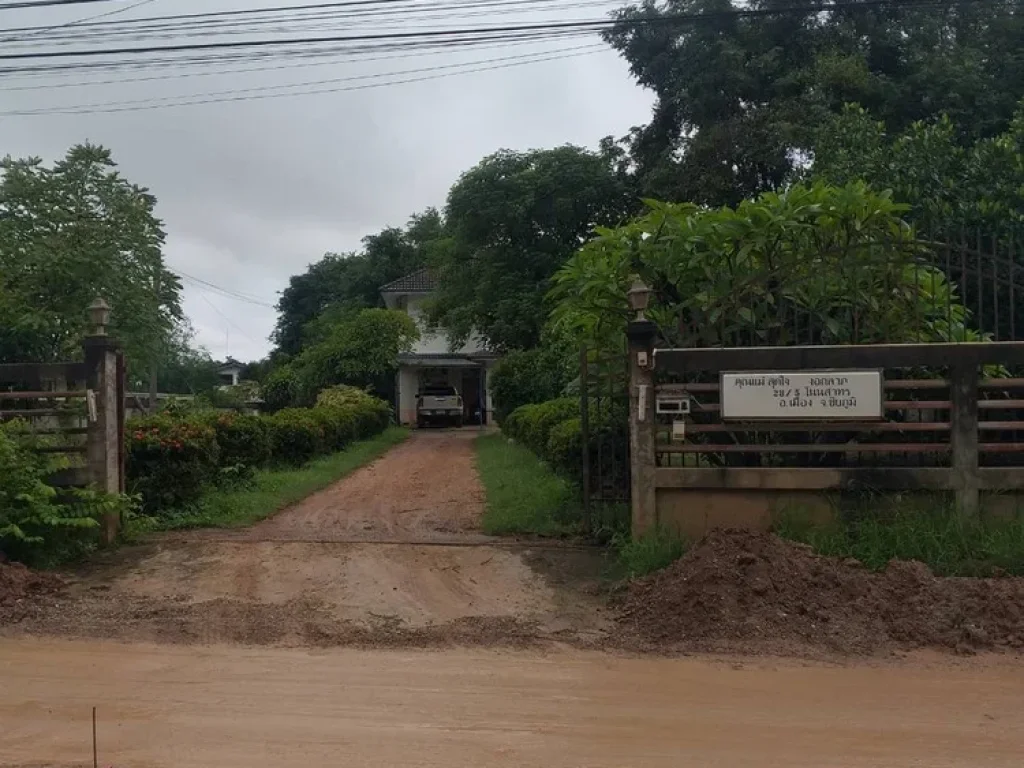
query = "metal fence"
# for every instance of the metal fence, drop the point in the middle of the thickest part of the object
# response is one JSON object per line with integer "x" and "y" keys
{"x": 604, "y": 403}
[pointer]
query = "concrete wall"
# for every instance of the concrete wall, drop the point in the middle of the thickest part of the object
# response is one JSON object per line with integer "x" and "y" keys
{"x": 694, "y": 512}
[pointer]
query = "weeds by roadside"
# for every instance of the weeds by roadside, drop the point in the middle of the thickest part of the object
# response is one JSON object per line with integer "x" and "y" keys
{"x": 270, "y": 490}
{"x": 651, "y": 552}
{"x": 524, "y": 496}
{"x": 880, "y": 529}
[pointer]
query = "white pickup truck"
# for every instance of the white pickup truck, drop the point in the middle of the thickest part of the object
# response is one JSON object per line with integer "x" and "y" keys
{"x": 439, "y": 404}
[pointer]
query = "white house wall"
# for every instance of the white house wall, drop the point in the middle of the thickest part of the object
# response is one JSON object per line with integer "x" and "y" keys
{"x": 436, "y": 343}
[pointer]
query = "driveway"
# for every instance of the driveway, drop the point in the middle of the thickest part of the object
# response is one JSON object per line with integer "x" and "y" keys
{"x": 390, "y": 555}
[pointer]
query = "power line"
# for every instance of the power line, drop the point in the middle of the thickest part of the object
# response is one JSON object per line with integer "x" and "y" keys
{"x": 78, "y": 22}
{"x": 225, "y": 292}
{"x": 47, "y": 4}
{"x": 227, "y": 319}
{"x": 101, "y": 109}
{"x": 573, "y": 25}
{"x": 524, "y": 58}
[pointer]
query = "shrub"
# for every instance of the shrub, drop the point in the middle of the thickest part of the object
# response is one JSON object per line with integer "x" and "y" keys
{"x": 170, "y": 460}
{"x": 344, "y": 395}
{"x": 529, "y": 376}
{"x": 296, "y": 436}
{"x": 339, "y": 424}
{"x": 243, "y": 439}
{"x": 281, "y": 388}
{"x": 35, "y": 520}
{"x": 564, "y": 451}
{"x": 531, "y": 424}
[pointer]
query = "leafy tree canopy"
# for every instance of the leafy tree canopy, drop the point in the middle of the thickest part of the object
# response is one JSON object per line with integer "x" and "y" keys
{"x": 360, "y": 350}
{"x": 949, "y": 186}
{"x": 69, "y": 233}
{"x": 514, "y": 220}
{"x": 740, "y": 97}
{"x": 344, "y": 282}
{"x": 815, "y": 264}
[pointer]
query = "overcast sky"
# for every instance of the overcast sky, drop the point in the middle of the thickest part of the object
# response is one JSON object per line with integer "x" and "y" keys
{"x": 252, "y": 192}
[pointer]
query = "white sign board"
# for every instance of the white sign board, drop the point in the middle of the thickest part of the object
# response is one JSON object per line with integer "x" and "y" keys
{"x": 802, "y": 396}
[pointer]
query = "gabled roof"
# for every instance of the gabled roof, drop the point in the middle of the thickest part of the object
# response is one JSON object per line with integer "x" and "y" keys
{"x": 420, "y": 281}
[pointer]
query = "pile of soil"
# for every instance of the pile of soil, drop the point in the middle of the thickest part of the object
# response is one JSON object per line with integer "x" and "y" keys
{"x": 751, "y": 592}
{"x": 20, "y": 588}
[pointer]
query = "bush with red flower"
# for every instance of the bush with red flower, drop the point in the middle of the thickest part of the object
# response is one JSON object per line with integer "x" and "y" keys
{"x": 170, "y": 460}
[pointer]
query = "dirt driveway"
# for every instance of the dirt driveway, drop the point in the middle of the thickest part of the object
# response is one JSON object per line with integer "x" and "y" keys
{"x": 391, "y": 555}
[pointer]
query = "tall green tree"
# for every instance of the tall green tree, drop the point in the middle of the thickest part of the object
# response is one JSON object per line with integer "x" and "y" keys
{"x": 949, "y": 186}
{"x": 513, "y": 221}
{"x": 71, "y": 232}
{"x": 352, "y": 281}
{"x": 740, "y": 97}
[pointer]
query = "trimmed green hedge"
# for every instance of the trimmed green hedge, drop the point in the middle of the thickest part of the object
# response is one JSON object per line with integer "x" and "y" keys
{"x": 552, "y": 430}
{"x": 173, "y": 459}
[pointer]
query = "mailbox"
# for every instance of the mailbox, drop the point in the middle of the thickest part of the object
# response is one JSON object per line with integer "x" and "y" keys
{"x": 672, "y": 404}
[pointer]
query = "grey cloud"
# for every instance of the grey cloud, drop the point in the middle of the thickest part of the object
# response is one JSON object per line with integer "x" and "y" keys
{"x": 252, "y": 192}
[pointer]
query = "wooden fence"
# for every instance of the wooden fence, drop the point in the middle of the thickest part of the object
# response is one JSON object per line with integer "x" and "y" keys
{"x": 79, "y": 408}
{"x": 947, "y": 417}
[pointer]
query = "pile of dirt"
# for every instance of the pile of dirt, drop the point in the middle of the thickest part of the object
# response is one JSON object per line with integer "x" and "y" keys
{"x": 20, "y": 588}
{"x": 750, "y": 592}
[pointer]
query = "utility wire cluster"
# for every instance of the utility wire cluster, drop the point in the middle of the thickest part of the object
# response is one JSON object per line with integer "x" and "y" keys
{"x": 108, "y": 48}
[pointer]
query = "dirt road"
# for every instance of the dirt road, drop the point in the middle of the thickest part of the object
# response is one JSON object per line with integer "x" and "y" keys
{"x": 227, "y": 706}
{"x": 391, "y": 555}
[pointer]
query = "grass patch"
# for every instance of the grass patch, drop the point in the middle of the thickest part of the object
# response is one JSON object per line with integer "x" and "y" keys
{"x": 880, "y": 529}
{"x": 274, "y": 489}
{"x": 656, "y": 549}
{"x": 524, "y": 496}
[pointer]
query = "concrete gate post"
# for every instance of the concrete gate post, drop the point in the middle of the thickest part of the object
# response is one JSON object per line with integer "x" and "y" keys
{"x": 103, "y": 441}
{"x": 642, "y": 455}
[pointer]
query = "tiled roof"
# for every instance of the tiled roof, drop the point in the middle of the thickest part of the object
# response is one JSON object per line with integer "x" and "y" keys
{"x": 420, "y": 281}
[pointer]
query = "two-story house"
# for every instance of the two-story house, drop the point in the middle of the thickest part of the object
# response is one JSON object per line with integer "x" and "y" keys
{"x": 432, "y": 361}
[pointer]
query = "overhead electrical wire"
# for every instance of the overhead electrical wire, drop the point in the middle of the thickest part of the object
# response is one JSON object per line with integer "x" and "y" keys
{"x": 113, "y": 108}
{"x": 29, "y": 4}
{"x": 594, "y": 25}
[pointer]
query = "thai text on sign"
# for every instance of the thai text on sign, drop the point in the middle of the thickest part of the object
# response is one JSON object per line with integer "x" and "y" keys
{"x": 804, "y": 395}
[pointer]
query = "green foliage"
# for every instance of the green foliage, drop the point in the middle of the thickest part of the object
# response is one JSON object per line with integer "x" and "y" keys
{"x": 350, "y": 282}
{"x": 38, "y": 524}
{"x": 523, "y": 495}
{"x": 275, "y": 488}
{"x": 832, "y": 264}
{"x": 531, "y": 424}
{"x": 70, "y": 233}
{"x": 924, "y": 528}
{"x": 296, "y": 436}
{"x": 949, "y": 186}
{"x": 514, "y": 219}
{"x": 281, "y": 388}
{"x": 738, "y": 98}
{"x": 243, "y": 439}
{"x": 175, "y": 457}
{"x": 170, "y": 460}
{"x": 656, "y": 549}
{"x": 360, "y": 349}
{"x": 531, "y": 376}
{"x": 343, "y": 395}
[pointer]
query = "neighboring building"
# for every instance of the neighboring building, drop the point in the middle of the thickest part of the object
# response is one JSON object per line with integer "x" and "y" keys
{"x": 432, "y": 362}
{"x": 229, "y": 372}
